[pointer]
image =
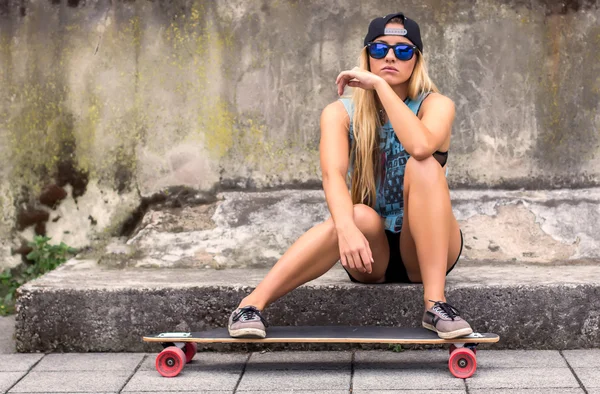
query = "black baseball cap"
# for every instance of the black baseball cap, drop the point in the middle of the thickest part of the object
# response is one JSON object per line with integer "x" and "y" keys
{"x": 411, "y": 29}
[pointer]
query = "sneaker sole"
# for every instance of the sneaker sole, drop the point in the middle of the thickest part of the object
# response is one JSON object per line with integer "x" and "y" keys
{"x": 449, "y": 335}
{"x": 247, "y": 333}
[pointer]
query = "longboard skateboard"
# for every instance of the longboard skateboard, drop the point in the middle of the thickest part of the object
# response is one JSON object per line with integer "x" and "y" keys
{"x": 181, "y": 347}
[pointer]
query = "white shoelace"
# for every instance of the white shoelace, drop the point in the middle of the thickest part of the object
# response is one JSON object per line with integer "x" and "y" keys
{"x": 441, "y": 312}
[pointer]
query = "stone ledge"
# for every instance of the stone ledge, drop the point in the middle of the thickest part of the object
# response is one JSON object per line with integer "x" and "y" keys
{"x": 83, "y": 307}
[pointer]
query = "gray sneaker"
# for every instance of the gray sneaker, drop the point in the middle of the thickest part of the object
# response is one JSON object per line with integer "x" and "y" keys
{"x": 247, "y": 322}
{"x": 444, "y": 319}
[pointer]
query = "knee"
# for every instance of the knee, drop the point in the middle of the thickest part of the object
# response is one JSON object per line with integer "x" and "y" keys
{"x": 367, "y": 220}
{"x": 428, "y": 170}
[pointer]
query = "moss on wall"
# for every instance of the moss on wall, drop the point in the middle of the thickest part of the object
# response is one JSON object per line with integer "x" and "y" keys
{"x": 39, "y": 130}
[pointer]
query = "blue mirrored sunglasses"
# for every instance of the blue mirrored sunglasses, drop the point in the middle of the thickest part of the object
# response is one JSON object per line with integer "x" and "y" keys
{"x": 379, "y": 50}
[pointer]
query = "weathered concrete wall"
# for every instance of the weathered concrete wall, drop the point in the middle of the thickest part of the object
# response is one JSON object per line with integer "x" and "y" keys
{"x": 104, "y": 102}
{"x": 255, "y": 229}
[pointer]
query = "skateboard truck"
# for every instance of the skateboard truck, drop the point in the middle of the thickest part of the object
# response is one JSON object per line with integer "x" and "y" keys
{"x": 175, "y": 335}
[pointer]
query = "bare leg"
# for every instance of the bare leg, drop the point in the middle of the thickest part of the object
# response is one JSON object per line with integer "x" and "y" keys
{"x": 430, "y": 237}
{"x": 315, "y": 253}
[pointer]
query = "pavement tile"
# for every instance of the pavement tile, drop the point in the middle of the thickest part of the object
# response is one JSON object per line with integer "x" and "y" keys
{"x": 191, "y": 380}
{"x": 79, "y": 362}
{"x": 586, "y": 358}
{"x": 7, "y": 379}
{"x": 412, "y": 359}
{"x": 7, "y": 330}
{"x": 276, "y": 361}
{"x": 18, "y": 362}
{"x": 186, "y": 392}
{"x": 517, "y": 378}
{"x": 406, "y": 379}
{"x": 408, "y": 359}
{"x": 295, "y": 391}
{"x": 442, "y": 391}
{"x": 71, "y": 382}
{"x": 266, "y": 380}
{"x": 590, "y": 377}
{"x": 226, "y": 362}
{"x": 528, "y": 391}
{"x": 520, "y": 359}
{"x": 593, "y": 390}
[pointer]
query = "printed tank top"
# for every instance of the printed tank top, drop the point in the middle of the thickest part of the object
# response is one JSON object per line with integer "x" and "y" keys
{"x": 389, "y": 202}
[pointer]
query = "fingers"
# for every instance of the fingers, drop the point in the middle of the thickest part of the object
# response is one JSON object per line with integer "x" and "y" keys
{"x": 342, "y": 81}
{"x": 363, "y": 261}
{"x": 340, "y": 89}
{"x": 370, "y": 252}
{"x": 347, "y": 260}
{"x": 344, "y": 74}
{"x": 349, "y": 74}
{"x": 350, "y": 78}
{"x": 353, "y": 83}
{"x": 353, "y": 261}
{"x": 367, "y": 261}
{"x": 359, "y": 266}
{"x": 343, "y": 260}
{"x": 356, "y": 254}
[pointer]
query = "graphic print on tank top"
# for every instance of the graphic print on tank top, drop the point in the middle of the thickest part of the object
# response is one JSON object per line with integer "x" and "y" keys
{"x": 390, "y": 185}
{"x": 389, "y": 202}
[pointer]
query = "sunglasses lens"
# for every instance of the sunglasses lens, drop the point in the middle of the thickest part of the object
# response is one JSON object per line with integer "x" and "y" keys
{"x": 404, "y": 52}
{"x": 378, "y": 51}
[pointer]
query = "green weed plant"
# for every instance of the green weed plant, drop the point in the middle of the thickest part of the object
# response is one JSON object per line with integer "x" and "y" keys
{"x": 43, "y": 258}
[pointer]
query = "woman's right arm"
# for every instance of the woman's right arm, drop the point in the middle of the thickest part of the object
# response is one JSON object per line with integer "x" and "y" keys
{"x": 334, "y": 152}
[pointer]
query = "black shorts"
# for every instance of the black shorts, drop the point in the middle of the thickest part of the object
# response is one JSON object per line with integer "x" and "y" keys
{"x": 396, "y": 272}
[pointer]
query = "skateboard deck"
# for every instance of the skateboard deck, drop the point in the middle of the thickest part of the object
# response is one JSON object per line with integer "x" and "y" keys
{"x": 180, "y": 347}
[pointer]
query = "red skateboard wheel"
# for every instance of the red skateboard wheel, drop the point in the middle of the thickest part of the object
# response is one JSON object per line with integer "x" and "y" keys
{"x": 462, "y": 363}
{"x": 170, "y": 361}
{"x": 190, "y": 349}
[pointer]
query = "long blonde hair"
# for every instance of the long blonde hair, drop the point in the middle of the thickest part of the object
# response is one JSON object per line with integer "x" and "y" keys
{"x": 365, "y": 124}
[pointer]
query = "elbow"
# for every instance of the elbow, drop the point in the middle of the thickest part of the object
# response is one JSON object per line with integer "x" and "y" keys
{"x": 422, "y": 148}
{"x": 420, "y": 153}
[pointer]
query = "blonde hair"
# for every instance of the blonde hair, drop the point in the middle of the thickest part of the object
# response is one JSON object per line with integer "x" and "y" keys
{"x": 364, "y": 151}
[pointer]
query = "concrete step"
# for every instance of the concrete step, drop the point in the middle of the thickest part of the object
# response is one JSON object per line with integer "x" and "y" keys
{"x": 85, "y": 306}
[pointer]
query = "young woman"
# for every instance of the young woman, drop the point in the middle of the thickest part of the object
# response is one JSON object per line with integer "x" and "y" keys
{"x": 396, "y": 225}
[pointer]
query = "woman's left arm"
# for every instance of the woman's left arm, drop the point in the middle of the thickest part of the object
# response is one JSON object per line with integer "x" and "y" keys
{"x": 420, "y": 137}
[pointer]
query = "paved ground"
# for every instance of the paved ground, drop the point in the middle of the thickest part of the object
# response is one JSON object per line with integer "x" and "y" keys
{"x": 7, "y": 329}
{"x": 501, "y": 371}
